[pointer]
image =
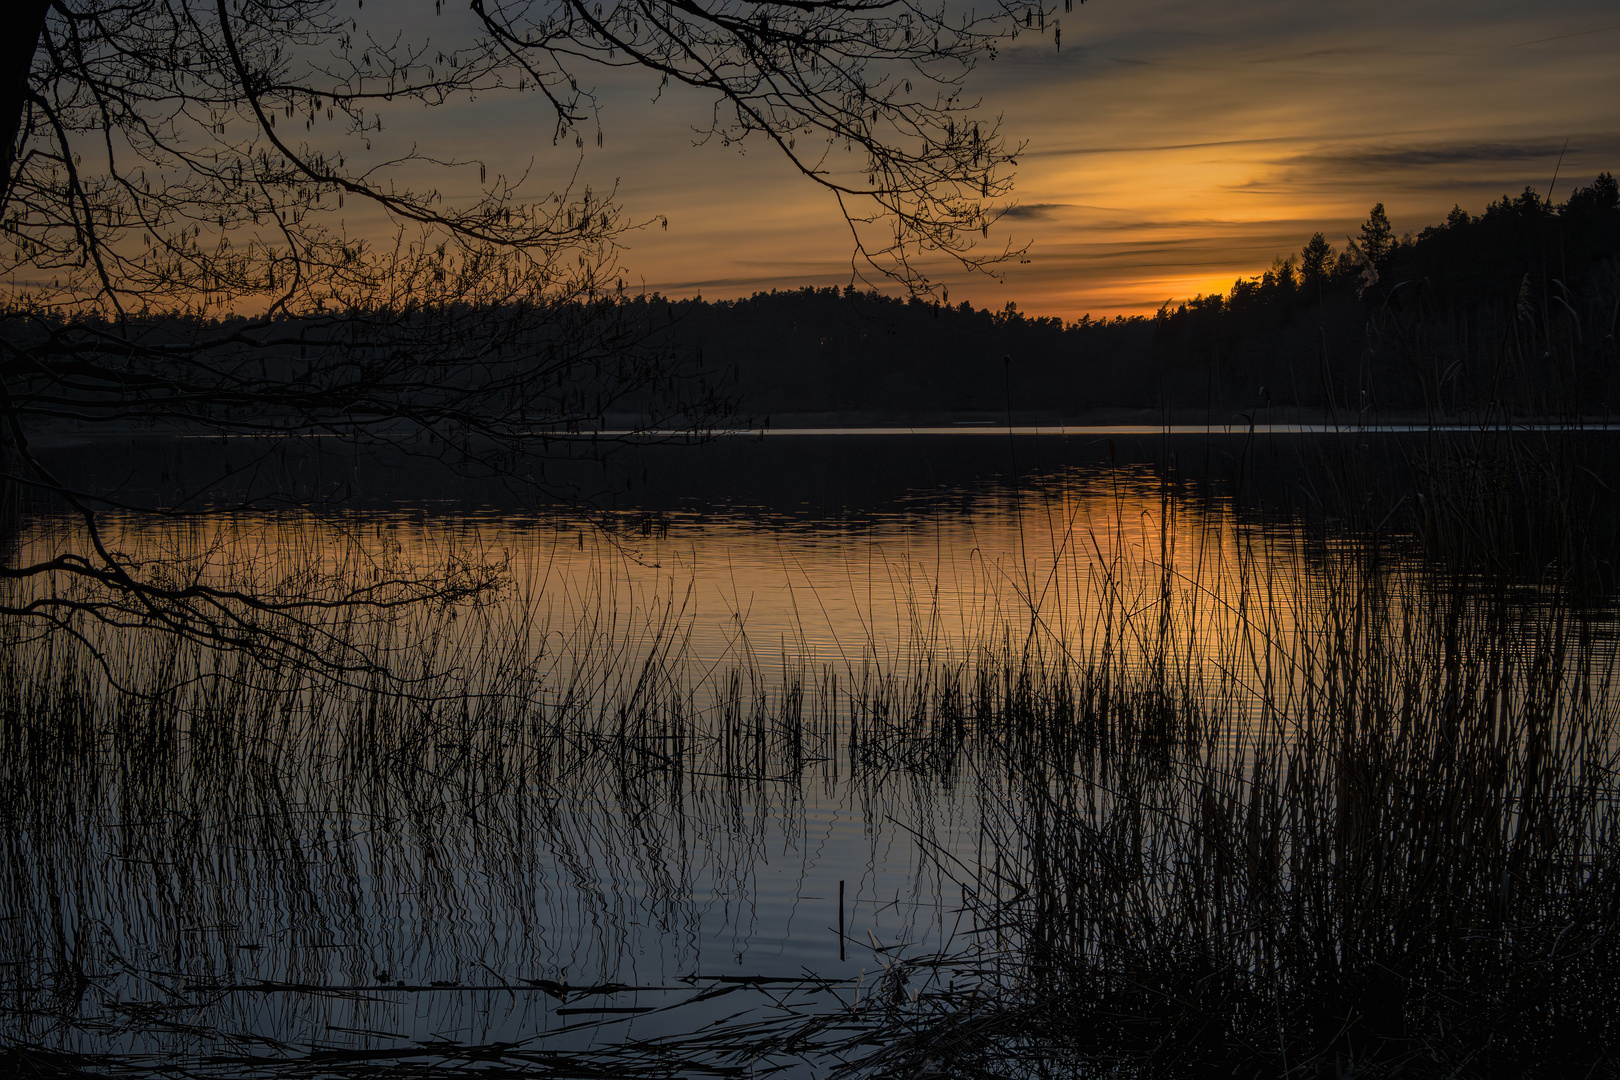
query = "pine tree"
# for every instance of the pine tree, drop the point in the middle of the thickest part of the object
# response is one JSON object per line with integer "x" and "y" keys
{"x": 1377, "y": 238}
{"x": 1315, "y": 264}
{"x": 1603, "y": 195}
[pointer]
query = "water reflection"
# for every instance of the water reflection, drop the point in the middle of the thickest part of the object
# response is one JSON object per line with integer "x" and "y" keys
{"x": 697, "y": 769}
{"x": 939, "y": 569}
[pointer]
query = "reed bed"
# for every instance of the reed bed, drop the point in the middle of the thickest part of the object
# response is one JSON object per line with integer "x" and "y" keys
{"x": 1331, "y": 810}
{"x": 1401, "y": 862}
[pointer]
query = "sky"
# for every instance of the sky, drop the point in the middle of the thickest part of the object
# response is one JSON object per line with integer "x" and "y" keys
{"x": 1169, "y": 147}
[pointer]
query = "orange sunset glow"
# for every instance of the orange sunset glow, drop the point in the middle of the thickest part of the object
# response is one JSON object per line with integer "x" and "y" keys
{"x": 1170, "y": 147}
{"x": 859, "y": 538}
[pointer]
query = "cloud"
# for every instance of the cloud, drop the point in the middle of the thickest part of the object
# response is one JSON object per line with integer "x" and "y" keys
{"x": 1035, "y": 211}
{"x": 1420, "y": 157}
{"x": 1154, "y": 148}
{"x": 1173, "y": 147}
{"x": 1566, "y": 37}
{"x": 1317, "y": 54}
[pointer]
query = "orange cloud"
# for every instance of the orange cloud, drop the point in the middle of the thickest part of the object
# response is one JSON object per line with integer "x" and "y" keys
{"x": 1170, "y": 147}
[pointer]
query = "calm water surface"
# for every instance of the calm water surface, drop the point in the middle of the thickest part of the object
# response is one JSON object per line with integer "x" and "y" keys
{"x": 292, "y": 892}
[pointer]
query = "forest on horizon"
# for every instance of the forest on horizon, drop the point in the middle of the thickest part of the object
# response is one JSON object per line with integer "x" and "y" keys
{"x": 1509, "y": 313}
{"x": 1510, "y": 309}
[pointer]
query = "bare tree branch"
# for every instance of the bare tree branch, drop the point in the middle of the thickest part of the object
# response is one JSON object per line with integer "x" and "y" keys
{"x": 176, "y": 253}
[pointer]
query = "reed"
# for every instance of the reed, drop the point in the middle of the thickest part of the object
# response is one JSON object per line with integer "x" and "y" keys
{"x": 1300, "y": 808}
{"x": 1399, "y": 860}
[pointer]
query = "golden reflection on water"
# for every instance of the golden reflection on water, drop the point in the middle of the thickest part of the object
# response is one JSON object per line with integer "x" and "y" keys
{"x": 1110, "y": 562}
{"x": 305, "y": 844}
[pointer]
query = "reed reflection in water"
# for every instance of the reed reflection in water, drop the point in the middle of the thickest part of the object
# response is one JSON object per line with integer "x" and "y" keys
{"x": 623, "y": 802}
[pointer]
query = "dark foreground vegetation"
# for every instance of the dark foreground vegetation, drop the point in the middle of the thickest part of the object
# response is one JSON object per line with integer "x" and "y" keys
{"x": 1509, "y": 312}
{"x": 1334, "y": 801}
{"x": 1401, "y": 864}
{"x": 1320, "y": 804}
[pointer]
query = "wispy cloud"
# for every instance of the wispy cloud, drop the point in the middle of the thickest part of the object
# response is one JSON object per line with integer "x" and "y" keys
{"x": 1566, "y": 37}
{"x": 1173, "y": 146}
{"x": 1155, "y": 148}
{"x": 1034, "y": 211}
{"x": 1422, "y": 157}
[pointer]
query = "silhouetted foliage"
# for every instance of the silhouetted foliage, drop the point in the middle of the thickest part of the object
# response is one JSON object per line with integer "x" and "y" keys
{"x": 842, "y": 355}
{"x": 1316, "y": 265}
{"x": 179, "y": 257}
{"x": 1377, "y": 238}
{"x": 1440, "y": 322}
{"x": 1509, "y": 311}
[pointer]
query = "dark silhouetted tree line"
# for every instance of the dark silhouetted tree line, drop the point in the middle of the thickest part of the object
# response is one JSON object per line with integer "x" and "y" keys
{"x": 1509, "y": 312}
{"x": 182, "y": 186}
{"x": 828, "y": 354}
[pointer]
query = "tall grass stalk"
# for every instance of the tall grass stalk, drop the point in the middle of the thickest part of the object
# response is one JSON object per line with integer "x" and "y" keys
{"x": 1397, "y": 859}
{"x": 1267, "y": 807}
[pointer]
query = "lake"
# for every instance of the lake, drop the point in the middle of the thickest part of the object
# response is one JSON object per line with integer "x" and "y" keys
{"x": 777, "y": 750}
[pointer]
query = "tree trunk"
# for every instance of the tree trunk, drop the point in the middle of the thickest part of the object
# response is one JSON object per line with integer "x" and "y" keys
{"x": 16, "y": 58}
